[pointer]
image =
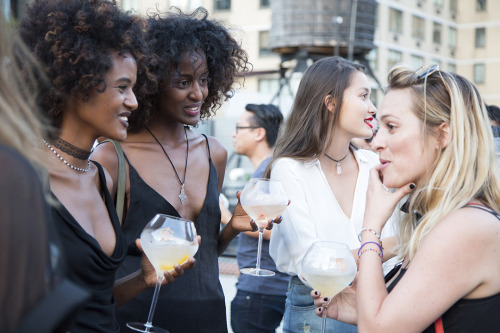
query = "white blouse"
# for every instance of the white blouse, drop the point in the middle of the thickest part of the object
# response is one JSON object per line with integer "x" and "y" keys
{"x": 314, "y": 213}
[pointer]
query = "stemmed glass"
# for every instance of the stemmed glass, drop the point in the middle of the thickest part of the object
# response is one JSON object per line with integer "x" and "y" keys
{"x": 166, "y": 241}
{"x": 328, "y": 267}
{"x": 262, "y": 199}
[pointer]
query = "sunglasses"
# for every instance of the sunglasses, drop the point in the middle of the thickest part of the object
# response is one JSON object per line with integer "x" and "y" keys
{"x": 425, "y": 71}
{"x": 246, "y": 127}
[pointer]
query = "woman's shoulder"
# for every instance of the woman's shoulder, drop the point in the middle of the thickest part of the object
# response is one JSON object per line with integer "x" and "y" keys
{"x": 293, "y": 162}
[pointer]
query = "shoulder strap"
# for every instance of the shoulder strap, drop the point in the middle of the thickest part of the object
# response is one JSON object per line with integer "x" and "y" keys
{"x": 120, "y": 192}
{"x": 438, "y": 325}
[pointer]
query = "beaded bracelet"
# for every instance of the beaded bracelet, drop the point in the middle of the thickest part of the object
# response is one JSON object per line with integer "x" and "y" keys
{"x": 379, "y": 246}
{"x": 372, "y": 231}
{"x": 370, "y": 249}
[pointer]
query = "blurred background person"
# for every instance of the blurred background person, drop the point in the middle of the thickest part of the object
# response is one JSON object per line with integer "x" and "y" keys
{"x": 494, "y": 115}
{"x": 259, "y": 303}
{"x": 32, "y": 285}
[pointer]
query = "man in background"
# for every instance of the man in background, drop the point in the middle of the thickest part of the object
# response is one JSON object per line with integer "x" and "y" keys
{"x": 494, "y": 115}
{"x": 259, "y": 303}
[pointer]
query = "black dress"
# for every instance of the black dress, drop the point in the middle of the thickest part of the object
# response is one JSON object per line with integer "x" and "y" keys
{"x": 195, "y": 301}
{"x": 89, "y": 267}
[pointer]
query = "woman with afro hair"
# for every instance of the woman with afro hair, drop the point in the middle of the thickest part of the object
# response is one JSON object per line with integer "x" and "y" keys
{"x": 172, "y": 169}
{"x": 92, "y": 55}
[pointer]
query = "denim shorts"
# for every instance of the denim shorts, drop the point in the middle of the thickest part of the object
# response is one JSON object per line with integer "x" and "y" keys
{"x": 300, "y": 316}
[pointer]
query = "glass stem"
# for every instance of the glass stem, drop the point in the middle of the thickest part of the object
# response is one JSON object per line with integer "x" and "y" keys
{"x": 259, "y": 249}
{"x": 159, "y": 280}
{"x": 323, "y": 320}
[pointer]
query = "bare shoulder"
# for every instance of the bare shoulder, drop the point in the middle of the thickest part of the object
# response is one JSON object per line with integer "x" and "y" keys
{"x": 217, "y": 151}
{"x": 105, "y": 154}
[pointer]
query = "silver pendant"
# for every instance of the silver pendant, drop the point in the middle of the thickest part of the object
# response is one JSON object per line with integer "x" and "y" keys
{"x": 339, "y": 170}
{"x": 182, "y": 195}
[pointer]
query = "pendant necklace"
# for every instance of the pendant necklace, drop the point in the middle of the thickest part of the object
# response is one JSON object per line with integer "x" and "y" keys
{"x": 339, "y": 169}
{"x": 182, "y": 194}
{"x": 66, "y": 162}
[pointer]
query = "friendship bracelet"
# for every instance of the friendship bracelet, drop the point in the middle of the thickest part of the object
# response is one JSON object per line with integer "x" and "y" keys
{"x": 370, "y": 249}
{"x": 379, "y": 246}
{"x": 372, "y": 231}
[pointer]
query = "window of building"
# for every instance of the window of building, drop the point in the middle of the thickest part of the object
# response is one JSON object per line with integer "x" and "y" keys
{"x": 479, "y": 72}
{"x": 222, "y": 5}
{"x": 418, "y": 27}
{"x": 269, "y": 86}
{"x": 453, "y": 6}
{"x": 417, "y": 61}
{"x": 452, "y": 38}
{"x": 436, "y": 62}
{"x": 372, "y": 58}
{"x": 436, "y": 33}
{"x": 452, "y": 68}
{"x": 264, "y": 49}
{"x": 265, "y": 3}
{"x": 480, "y": 37}
{"x": 438, "y": 3}
{"x": 396, "y": 21}
{"x": 129, "y": 4}
{"x": 480, "y": 5}
{"x": 393, "y": 58}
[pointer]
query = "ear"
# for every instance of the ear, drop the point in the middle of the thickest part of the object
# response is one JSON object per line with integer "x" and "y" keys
{"x": 260, "y": 134}
{"x": 330, "y": 103}
{"x": 444, "y": 135}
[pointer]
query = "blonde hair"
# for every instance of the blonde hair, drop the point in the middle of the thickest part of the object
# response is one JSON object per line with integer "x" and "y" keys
{"x": 465, "y": 169}
{"x": 21, "y": 127}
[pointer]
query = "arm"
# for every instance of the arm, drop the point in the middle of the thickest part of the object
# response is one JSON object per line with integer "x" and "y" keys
{"x": 451, "y": 263}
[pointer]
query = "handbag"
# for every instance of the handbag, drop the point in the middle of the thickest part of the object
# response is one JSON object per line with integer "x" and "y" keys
{"x": 438, "y": 325}
{"x": 120, "y": 192}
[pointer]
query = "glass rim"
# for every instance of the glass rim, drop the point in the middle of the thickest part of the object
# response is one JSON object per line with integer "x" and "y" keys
{"x": 178, "y": 218}
{"x": 331, "y": 242}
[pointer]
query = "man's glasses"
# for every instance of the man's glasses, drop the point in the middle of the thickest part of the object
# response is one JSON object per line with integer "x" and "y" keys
{"x": 246, "y": 127}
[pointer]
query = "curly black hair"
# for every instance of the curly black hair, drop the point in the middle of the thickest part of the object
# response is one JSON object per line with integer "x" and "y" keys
{"x": 74, "y": 41}
{"x": 171, "y": 35}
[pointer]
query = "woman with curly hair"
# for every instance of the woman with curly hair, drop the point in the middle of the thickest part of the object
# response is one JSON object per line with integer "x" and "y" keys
{"x": 436, "y": 143}
{"x": 173, "y": 170}
{"x": 93, "y": 55}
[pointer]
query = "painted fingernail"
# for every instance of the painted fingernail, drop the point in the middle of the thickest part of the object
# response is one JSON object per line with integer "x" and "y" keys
{"x": 320, "y": 309}
{"x": 325, "y": 299}
{"x": 412, "y": 186}
{"x": 316, "y": 293}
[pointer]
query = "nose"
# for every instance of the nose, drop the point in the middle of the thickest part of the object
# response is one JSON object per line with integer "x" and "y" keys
{"x": 196, "y": 91}
{"x": 378, "y": 142}
{"x": 371, "y": 108}
{"x": 131, "y": 101}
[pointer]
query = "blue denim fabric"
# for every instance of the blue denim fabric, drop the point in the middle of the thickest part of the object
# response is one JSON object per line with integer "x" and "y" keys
{"x": 300, "y": 316}
{"x": 251, "y": 312}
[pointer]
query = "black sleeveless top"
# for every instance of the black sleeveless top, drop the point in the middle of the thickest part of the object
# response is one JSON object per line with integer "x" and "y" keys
{"x": 467, "y": 315}
{"x": 89, "y": 267}
{"x": 195, "y": 301}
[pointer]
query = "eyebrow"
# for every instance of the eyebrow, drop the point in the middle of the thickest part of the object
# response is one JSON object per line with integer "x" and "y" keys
{"x": 381, "y": 118}
{"x": 124, "y": 79}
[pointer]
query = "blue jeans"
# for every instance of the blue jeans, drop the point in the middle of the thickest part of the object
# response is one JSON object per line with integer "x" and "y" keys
{"x": 251, "y": 312}
{"x": 300, "y": 316}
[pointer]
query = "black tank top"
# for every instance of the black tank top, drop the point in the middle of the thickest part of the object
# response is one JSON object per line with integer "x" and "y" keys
{"x": 89, "y": 267}
{"x": 467, "y": 315}
{"x": 195, "y": 301}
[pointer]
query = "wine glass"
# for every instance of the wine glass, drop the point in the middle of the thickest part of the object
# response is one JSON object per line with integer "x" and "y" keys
{"x": 262, "y": 199}
{"x": 166, "y": 241}
{"x": 328, "y": 267}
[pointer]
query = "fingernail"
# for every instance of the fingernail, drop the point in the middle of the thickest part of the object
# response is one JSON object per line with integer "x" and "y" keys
{"x": 316, "y": 293}
{"x": 320, "y": 309}
{"x": 325, "y": 299}
{"x": 412, "y": 186}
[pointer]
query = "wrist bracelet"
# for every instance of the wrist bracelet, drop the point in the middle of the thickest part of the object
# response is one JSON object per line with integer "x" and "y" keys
{"x": 372, "y": 231}
{"x": 369, "y": 249}
{"x": 379, "y": 246}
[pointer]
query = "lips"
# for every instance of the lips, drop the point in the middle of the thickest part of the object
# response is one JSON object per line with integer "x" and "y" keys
{"x": 368, "y": 122}
{"x": 124, "y": 117}
{"x": 193, "y": 110}
{"x": 384, "y": 164}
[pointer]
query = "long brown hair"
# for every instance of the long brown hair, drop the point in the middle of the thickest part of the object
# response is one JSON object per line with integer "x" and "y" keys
{"x": 309, "y": 127}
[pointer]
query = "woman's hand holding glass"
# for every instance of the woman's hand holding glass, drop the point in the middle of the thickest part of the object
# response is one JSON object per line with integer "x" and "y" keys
{"x": 149, "y": 274}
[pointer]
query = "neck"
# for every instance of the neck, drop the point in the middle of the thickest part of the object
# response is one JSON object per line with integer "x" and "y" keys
{"x": 259, "y": 155}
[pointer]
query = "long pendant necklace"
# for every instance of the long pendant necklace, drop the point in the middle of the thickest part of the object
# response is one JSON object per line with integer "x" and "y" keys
{"x": 66, "y": 162}
{"x": 339, "y": 169}
{"x": 182, "y": 194}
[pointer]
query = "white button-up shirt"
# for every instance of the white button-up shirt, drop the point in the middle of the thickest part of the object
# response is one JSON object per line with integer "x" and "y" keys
{"x": 314, "y": 213}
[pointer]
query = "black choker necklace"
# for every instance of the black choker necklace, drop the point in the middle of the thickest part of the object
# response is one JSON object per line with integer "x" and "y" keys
{"x": 69, "y": 149}
{"x": 339, "y": 169}
{"x": 182, "y": 194}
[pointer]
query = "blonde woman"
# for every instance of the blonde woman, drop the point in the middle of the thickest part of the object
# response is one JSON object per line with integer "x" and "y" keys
{"x": 434, "y": 141}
